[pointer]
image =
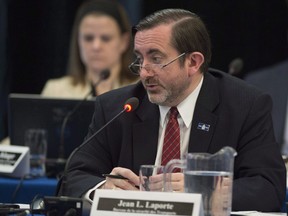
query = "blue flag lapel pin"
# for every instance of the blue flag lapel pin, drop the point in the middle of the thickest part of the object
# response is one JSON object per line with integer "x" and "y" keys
{"x": 204, "y": 127}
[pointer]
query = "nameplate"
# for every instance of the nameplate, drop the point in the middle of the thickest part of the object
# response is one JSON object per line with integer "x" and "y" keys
{"x": 14, "y": 161}
{"x": 135, "y": 203}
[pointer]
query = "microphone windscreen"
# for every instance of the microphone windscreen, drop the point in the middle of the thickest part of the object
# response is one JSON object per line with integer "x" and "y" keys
{"x": 235, "y": 67}
{"x": 131, "y": 104}
{"x": 105, "y": 74}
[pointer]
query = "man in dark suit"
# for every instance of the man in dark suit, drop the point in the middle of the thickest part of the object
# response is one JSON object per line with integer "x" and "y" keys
{"x": 173, "y": 54}
{"x": 274, "y": 81}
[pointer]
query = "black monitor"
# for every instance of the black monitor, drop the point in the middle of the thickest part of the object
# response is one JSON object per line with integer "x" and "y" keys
{"x": 29, "y": 111}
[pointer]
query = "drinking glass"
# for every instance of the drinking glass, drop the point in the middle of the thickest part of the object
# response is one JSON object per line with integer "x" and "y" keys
{"x": 36, "y": 140}
{"x": 151, "y": 178}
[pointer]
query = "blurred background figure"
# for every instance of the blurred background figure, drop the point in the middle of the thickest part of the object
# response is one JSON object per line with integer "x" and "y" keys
{"x": 274, "y": 80}
{"x": 100, "y": 40}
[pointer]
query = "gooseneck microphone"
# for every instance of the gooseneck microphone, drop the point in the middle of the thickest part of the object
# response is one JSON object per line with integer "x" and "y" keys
{"x": 130, "y": 105}
{"x": 61, "y": 155}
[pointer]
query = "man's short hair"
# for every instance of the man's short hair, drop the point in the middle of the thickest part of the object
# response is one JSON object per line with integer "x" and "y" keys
{"x": 189, "y": 33}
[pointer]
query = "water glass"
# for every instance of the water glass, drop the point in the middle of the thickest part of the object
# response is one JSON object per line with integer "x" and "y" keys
{"x": 151, "y": 178}
{"x": 36, "y": 140}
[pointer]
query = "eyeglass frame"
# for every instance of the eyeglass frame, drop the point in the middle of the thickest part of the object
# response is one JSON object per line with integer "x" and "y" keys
{"x": 161, "y": 66}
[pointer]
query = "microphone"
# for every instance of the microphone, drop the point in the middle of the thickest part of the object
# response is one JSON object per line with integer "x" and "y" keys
{"x": 235, "y": 66}
{"x": 130, "y": 105}
{"x": 61, "y": 158}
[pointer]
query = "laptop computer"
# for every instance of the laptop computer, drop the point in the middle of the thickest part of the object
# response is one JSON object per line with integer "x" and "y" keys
{"x": 29, "y": 111}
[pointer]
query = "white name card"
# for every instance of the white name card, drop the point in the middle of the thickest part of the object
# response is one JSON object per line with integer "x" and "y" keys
{"x": 14, "y": 160}
{"x": 135, "y": 203}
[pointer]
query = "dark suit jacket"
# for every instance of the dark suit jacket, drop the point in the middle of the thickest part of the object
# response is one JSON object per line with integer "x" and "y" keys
{"x": 274, "y": 81}
{"x": 238, "y": 115}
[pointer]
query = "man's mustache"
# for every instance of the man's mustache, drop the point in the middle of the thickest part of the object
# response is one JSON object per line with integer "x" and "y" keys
{"x": 151, "y": 81}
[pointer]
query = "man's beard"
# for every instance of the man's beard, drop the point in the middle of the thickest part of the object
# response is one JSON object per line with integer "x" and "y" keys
{"x": 167, "y": 94}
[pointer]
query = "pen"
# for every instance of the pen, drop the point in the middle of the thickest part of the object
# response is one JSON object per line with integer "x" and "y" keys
{"x": 115, "y": 176}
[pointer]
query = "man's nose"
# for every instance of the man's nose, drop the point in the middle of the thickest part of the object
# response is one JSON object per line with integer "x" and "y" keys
{"x": 146, "y": 71}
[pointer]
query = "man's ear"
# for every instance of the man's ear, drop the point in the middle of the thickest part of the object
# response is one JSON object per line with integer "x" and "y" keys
{"x": 195, "y": 60}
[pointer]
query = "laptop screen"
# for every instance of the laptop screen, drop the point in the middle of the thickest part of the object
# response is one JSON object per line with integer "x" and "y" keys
{"x": 28, "y": 111}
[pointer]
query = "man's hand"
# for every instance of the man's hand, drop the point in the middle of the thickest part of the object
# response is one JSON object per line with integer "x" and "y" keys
{"x": 131, "y": 183}
{"x": 177, "y": 182}
{"x": 156, "y": 182}
{"x": 221, "y": 197}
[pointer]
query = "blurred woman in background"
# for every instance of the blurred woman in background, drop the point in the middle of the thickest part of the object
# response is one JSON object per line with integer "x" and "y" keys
{"x": 100, "y": 41}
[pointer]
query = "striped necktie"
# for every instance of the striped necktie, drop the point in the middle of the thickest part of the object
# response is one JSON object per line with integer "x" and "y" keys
{"x": 171, "y": 145}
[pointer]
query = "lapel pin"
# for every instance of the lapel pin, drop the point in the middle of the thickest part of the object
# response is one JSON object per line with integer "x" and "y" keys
{"x": 204, "y": 127}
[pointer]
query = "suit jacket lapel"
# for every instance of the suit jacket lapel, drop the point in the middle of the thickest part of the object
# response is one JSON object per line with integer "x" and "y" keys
{"x": 204, "y": 120}
{"x": 145, "y": 134}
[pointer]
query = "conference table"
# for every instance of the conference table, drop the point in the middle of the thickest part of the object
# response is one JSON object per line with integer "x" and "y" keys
{"x": 13, "y": 190}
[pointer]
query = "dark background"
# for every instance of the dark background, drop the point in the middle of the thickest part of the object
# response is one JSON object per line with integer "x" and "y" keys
{"x": 35, "y": 34}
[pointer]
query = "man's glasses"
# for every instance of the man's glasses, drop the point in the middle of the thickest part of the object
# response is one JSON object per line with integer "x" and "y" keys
{"x": 136, "y": 68}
